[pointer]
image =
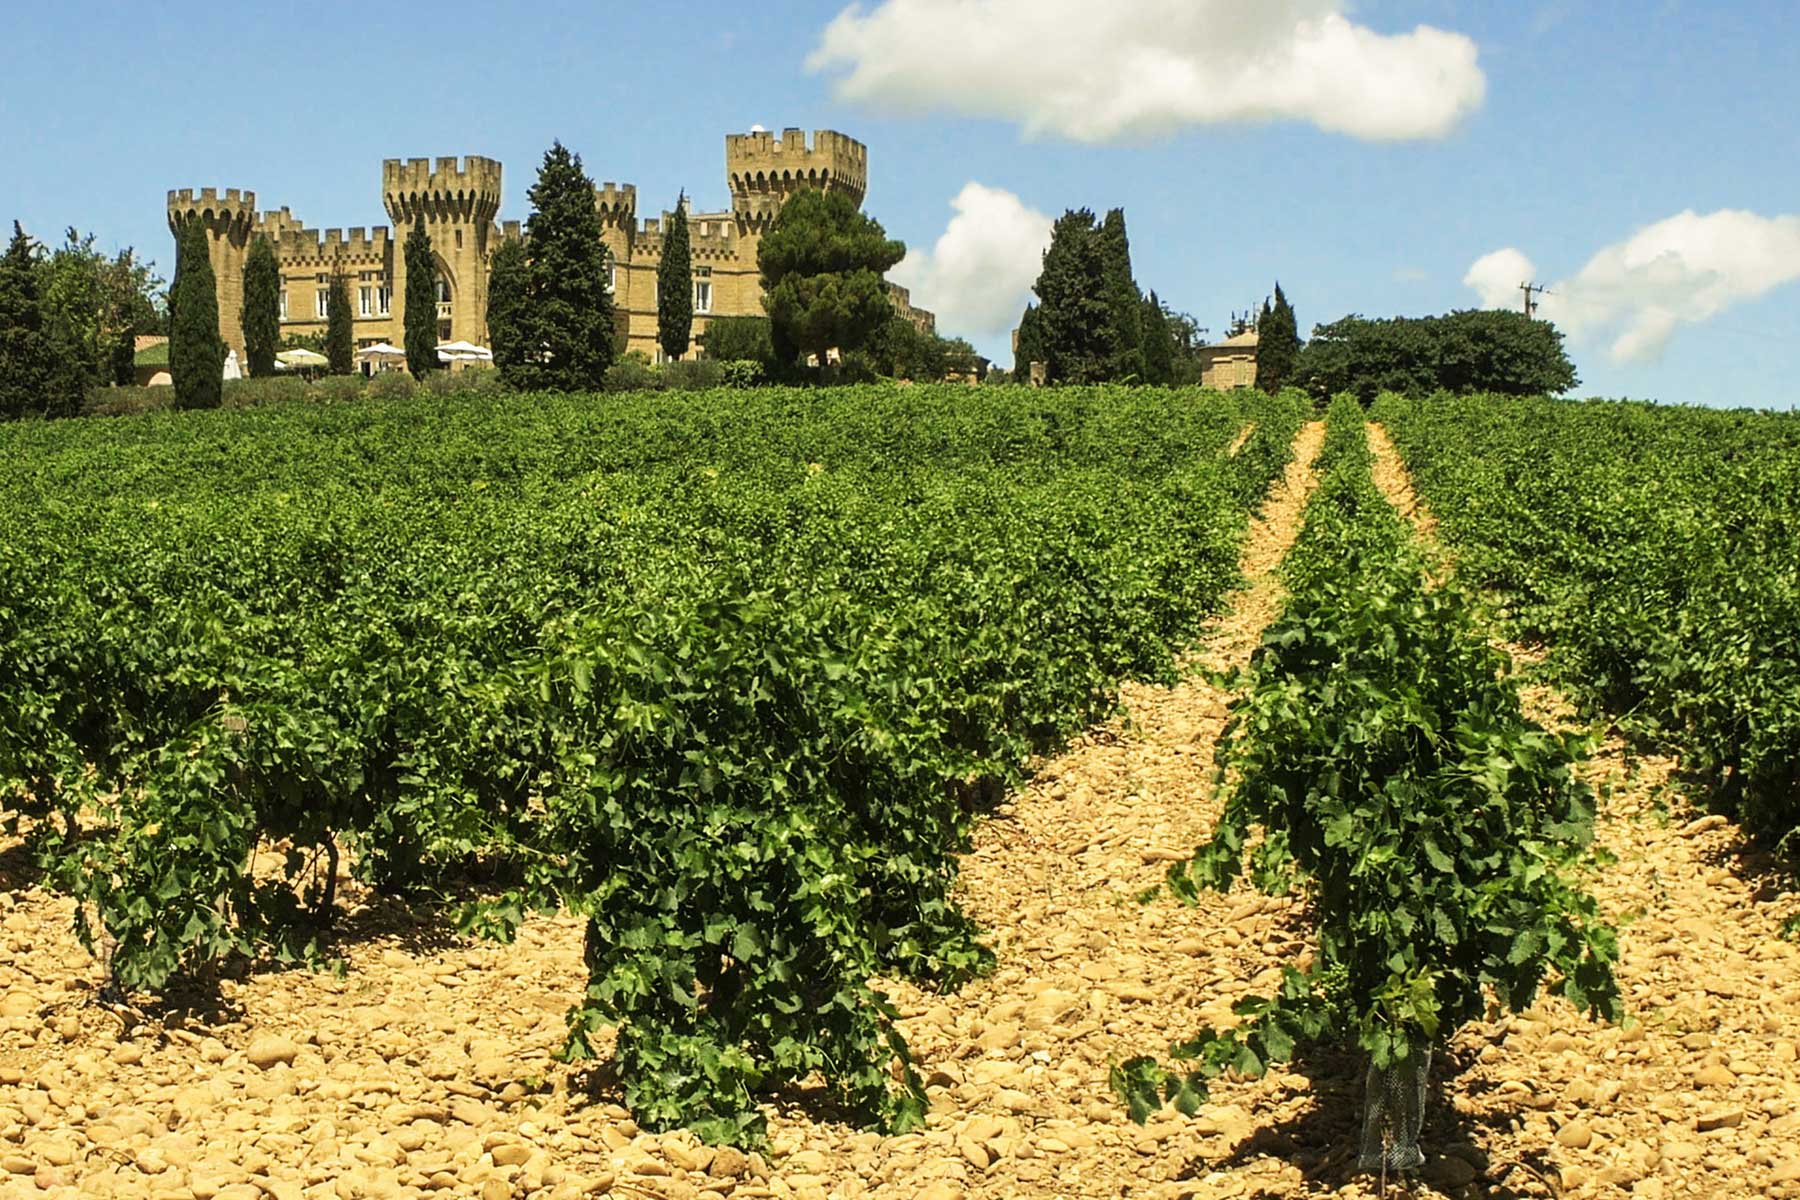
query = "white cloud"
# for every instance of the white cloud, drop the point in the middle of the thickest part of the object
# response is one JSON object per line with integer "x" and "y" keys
{"x": 1142, "y": 68}
{"x": 978, "y": 275}
{"x": 1635, "y": 294}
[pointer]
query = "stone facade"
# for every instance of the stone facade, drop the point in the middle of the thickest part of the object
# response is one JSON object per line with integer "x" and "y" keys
{"x": 1230, "y": 363}
{"x": 460, "y": 201}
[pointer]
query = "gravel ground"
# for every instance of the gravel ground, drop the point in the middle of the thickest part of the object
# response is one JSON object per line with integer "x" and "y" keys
{"x": 427, "y": 1071}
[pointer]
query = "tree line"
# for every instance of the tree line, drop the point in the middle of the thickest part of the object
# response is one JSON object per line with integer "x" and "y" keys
{"x": 1089, "y": 323}
{"x": 69, "y": 322}
{"x": 69, "y": 317}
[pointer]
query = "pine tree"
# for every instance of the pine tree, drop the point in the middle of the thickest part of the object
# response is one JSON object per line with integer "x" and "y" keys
{"x": 340, "y": 335}
{"x": 25, "y": 363}
{"x": 572, "y": 326}
{"x": 262, "y": 309}
{"x": 1125, "y": 328}
{"x": 674, "y": 286}
{"x": 421, "y": 302}
{"x": 1159, "y": 343}
{"x": 822, "y": 264}
{"x": 1074, "y": 317}
{"x": 196, "y": 354}
{"x": 1277, "y": 344}
{"x": 508, "y": 311}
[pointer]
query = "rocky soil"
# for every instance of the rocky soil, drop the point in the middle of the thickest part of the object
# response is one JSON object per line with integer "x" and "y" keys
{"x": 426, "y": 1069}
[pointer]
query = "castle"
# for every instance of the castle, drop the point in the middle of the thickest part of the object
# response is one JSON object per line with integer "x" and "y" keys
{"x": 460, "y": 202}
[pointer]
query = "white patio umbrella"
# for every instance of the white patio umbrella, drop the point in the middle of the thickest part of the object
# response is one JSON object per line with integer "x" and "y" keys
{"x": 463, "y": 351}
{"x": 379, "y": 351}
{"x": 299, "y": 360}
{"x": 232, "y": 370}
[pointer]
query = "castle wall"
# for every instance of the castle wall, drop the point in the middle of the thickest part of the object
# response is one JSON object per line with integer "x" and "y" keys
{"x": 459, "y": 199}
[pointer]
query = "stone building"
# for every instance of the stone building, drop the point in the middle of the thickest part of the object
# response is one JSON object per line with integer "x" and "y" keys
{"x": 460, "y": 202}
{"x": 1230, "y": 363}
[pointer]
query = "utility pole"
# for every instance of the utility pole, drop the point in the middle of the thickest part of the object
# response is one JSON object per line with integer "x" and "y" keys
{"x": 1530, "y": 304}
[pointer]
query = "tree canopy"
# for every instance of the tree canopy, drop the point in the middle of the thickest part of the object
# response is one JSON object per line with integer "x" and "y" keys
{"x": 25, "y": 362}
{"x": 340, "y": 334}
{"x": 1074, "y": 327}
{"x": 566, "y": 323}
{"x": 262, "y": 309}
{"x": 675, "y": 286}
{"x": 508, "y": 282}
{"x": 1277, "y": 344}
{"x": 823, "y": 261}
{"x": 421, "y": 327}
{"x": 196, "y": 353}
{"x": 1125, "y": 324}
{"x": 1476, "y": 350}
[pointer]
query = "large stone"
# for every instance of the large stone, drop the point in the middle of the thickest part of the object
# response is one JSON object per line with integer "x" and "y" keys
{"x": 266, "y": 1050}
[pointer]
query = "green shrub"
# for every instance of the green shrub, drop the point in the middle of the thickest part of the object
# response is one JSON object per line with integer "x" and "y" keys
{"x": 741, "y": 373}
{"x": 391, "y": 385}
{"x": 633, "y": 373}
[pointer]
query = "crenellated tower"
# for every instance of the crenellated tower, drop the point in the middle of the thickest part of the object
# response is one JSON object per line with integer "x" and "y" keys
{"x": 458, "y": 200}
{"x": 230, "y": 219}
{"x": 764, "y": 171}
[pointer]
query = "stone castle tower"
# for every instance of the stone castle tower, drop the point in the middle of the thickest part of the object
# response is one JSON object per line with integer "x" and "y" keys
{"x": 459, "y": 200}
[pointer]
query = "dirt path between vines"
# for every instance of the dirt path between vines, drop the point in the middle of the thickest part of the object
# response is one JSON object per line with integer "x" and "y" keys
{"x": 1698, "y": 1094}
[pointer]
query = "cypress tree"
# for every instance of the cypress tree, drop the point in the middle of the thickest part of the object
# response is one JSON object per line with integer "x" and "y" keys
{"x": 340, "y": 337}
{"x": 1277, "y": 344}
{"x": 421, "y": 302}
{"x": 262, "y": 309}
{"x": 1030, "y": 348}
{"x": 1159, "y": 343}
{"x": 122, "y": 358}
{"x": 1125, "y": 328}
{"x": 571, "y": 306}
{"x": 508, "y": 310}
{"x": 1074, "y": 316}
{"x": 674, "y": 286}
{"x": 196, "y": 353}
{"x": 25, "y": 363}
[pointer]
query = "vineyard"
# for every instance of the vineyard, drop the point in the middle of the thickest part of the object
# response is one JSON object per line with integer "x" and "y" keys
{"x": 879, "y": 780}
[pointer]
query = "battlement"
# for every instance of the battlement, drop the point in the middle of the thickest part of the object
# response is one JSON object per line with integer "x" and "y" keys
{"x": 444, "y": 189}
{"x": 231, "y": 214}
{"x": 446, "y": 175}
{"x": 298, "y": 246}
{"x": 232, "y": 201}
{"x": 764, "y": 170}
{"x": 617, "y": 203}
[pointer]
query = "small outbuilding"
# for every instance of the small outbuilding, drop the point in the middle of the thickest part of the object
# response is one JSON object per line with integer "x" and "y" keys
{"x": 1230, "y": 363}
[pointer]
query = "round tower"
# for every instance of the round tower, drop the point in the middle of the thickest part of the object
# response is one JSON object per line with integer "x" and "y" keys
{"x": 229, "y": 220}
{"x": 458, "y": 200}
{"x": 764, "y": 171}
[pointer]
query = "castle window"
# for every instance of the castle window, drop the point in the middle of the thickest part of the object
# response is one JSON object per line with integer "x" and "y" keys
{"x": 365, "y": 303}
{"x": 459, "y": 239}
{"x": 443, "y": 291}
{"x": 284, "y": 315}
{"x": 702, "y": 272}
{"x": 702, "y": 295}
{"x": 321, "y": 302}
{"x": 384, "y": 297}
{"x": 612, "y": 276}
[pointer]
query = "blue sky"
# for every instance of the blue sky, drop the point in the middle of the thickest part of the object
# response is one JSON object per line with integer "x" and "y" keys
{"x": 1367, "y": 166}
